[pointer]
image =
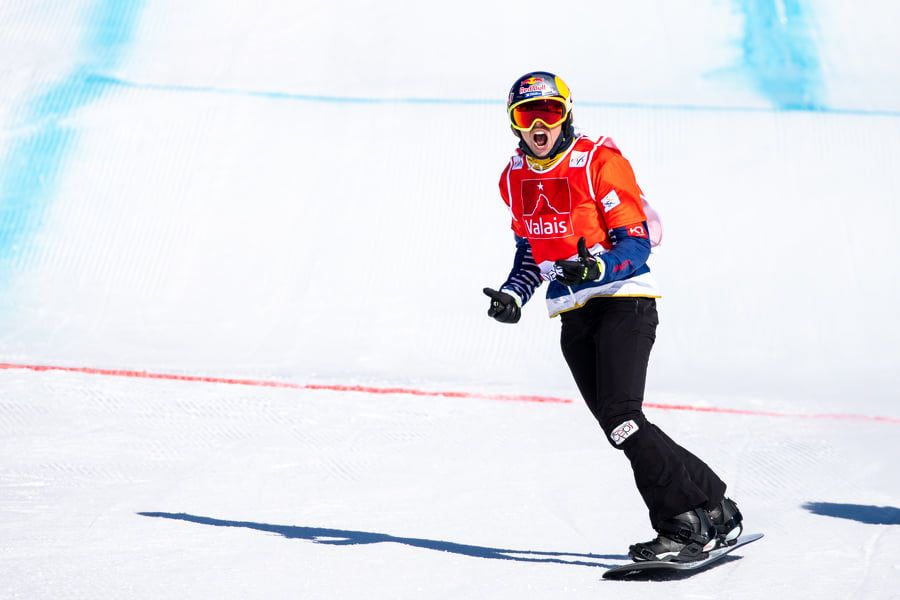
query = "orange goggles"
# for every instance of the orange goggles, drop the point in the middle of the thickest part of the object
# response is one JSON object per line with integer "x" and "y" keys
{"x": 549, "y": 111}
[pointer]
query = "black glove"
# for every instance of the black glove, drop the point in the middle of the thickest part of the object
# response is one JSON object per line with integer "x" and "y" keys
{"x": 504, "y": 307}
{"x": 586, "y": 268}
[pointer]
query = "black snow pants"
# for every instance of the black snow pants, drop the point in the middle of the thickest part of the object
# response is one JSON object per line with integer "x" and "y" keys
{"x": 607, "y": 345}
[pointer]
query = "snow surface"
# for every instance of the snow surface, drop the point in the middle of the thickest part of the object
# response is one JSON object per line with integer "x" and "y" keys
{"x": 306, "y": 193}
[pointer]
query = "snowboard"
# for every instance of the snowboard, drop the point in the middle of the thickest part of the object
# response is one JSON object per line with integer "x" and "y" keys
{"x": 655, "y": 569}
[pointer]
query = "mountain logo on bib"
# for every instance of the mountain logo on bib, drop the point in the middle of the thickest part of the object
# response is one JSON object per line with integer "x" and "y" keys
{"x": 547, "y": 208}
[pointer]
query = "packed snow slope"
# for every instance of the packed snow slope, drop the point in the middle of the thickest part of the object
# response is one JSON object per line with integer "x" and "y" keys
{"x": 306, "y": 193}
{"x": 310, "y": 189}
{"x": 118, "y": 488}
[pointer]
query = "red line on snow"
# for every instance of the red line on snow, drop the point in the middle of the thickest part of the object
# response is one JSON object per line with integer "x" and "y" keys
{"x": 284, "y": 384}
{"x": 421, "y": 392}
{"x": 767, "y": 413}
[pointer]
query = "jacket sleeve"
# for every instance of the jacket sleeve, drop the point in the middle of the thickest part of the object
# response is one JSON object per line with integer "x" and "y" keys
{"x": 525, "y": 276}
{"x": 630, "y": 251}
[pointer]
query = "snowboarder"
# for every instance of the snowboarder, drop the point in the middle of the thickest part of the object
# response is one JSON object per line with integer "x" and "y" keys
{"x": 581, "y": 223}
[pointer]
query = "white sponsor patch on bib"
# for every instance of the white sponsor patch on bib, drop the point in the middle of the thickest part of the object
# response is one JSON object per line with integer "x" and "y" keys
{"x": 578, "y": 159}
{"x": 517, "y": 162}
{"x": 623, "y": 432}
{"x": 610, "y": 201}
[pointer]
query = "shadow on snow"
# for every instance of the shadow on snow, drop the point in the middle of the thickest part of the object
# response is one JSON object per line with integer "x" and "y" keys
{"x": 344, "y": 537}
{"x": 873, "y": 515}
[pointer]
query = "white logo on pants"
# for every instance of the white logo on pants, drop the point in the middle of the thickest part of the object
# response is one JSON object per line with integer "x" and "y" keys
{"x": 621, "y": 433}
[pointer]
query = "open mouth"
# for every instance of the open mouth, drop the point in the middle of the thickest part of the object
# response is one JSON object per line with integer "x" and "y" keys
{"x": 540, "y": 139}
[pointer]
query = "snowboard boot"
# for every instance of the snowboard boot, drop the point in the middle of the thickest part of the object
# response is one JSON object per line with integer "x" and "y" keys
{"x": 683, "y": 538}
{"x": 727, "y": 520}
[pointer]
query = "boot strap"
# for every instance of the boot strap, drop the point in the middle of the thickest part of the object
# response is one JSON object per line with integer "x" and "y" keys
{"x": 681, "y": 532}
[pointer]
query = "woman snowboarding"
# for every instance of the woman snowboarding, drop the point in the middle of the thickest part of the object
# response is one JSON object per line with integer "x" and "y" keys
{"x": 581, "y": 223}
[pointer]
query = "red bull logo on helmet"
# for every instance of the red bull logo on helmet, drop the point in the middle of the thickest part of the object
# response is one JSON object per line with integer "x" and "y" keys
{"x": 532, "y": 84}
